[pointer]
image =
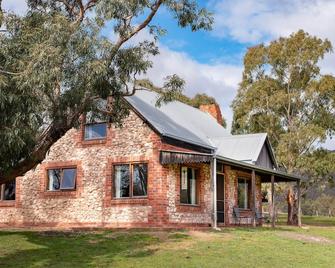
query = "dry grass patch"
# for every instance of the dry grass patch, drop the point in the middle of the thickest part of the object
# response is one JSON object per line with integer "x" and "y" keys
{"x": 307, "y": 238}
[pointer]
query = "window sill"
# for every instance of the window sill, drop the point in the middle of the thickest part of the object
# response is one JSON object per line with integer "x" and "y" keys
{"x": 94, "y": 141}
{"x": 130, "y": 201}
{"x": 189, "y": 208}
{"x": 189, "y": 205}
{"x": 7, "y": 203}
{"x": 245, "y": 209}
{"x": 61, "y": 191}
{"x": 59, "y": 194}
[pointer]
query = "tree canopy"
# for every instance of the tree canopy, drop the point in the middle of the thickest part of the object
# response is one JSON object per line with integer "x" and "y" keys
{"x": 56, "y": 63}
{"x": 284, "y": 93}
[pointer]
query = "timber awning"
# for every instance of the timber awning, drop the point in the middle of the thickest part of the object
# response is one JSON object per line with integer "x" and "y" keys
{"x": 176, "y": 157}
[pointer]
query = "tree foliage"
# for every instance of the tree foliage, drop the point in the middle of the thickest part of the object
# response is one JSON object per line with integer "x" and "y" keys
{"x": 56, "y": 64}
{"x": 284, "y": 93}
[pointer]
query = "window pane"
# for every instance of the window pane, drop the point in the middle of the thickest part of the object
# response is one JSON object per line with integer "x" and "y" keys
{"x": 121, "y": 181}
{"x": 193, "y": 186}
{"x": 69, "y": 178}
{"x": 242, "y": 193}
{"x": 140, "y": 180}
{"x": 54, "y": 176}
{"x": 188, "y": 187}
{"x": 95, "y": 131}
{"x": 184, "y": 186}
{"x": 9, "y": 191}
{"x": 219, "y": 167}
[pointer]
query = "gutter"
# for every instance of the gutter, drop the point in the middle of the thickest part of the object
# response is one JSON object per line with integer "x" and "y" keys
{"x": 237, "y": 163}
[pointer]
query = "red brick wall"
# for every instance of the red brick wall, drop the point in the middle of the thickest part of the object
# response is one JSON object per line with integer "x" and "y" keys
{"x": 214, "y": 110}
{"x": 92, "y": 203}
{"x": 231, "y": 198}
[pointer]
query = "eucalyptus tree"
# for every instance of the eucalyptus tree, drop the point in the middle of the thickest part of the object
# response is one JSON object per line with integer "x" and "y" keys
{"x": 63, "y": 56}
{"x": 284, "y": 93}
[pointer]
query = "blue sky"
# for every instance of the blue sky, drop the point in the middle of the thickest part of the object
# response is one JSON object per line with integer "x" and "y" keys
{"x": 212, "y": 62}
{"x": 202, "y": 46}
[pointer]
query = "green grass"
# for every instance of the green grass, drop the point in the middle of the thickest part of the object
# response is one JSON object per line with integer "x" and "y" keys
{"x": 311, "y": 220}
{"x": 231, "y": 247}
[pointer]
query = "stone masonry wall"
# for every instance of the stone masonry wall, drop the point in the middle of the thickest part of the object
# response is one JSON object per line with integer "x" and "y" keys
{"x": 200, "y": 214}
{"x": 92, "y": 203}
{"x": 231, "y": 199}
{"x": 86, "y": 206}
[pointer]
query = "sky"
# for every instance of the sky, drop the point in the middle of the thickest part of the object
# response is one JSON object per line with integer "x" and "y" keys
{"x": 212, "y": 62}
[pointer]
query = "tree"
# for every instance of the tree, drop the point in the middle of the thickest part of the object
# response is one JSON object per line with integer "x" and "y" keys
{"x": 284, "y": 94}
{"x": 56, "y": 64}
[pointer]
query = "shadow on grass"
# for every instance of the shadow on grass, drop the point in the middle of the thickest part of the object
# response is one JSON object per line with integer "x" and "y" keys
{"x": 319, "y": 221}
{"x": 258, "y": 229}
{"x": 71, "y": 249}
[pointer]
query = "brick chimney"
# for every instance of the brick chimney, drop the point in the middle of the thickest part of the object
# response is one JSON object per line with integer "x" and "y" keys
{"x": 214, "y": 110}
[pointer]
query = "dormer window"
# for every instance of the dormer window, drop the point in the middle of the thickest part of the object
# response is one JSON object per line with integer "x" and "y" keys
{"x": 95, "y": 131}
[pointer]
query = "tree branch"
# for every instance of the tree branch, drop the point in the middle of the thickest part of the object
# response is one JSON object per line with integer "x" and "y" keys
{"x": 145, "y": 23}
{"x": 9, "y": 73}
{"x": 90, "y": 4}
{"x": 81, "y": 10}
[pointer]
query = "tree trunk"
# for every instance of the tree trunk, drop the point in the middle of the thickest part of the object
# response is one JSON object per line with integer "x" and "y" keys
{"x": 292, "y": 207}
{"x": 47, "y": 139}
{"x": 272, "y": 212}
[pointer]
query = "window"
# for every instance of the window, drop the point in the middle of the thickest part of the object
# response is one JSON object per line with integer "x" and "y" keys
{"x": 130, "y": 180}
{"x": 7, "y": 191}
{"x": 188, "y": 186}
{"x": 61, "y": 179}
{"x": 243, "y": 193}
{"x": 95, "y": 131}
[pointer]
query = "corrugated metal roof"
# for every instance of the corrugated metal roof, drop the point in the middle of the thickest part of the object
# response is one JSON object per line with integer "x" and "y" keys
{"x": 183, "y": 122}
{"x": 177, "y": 120}
{"x": 241, "y": 147}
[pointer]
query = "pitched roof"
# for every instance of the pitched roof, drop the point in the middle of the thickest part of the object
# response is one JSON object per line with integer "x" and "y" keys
{"x": 241, "y": 147}
{"x": 177, "y": 120}
{"x": 186, "y": 123}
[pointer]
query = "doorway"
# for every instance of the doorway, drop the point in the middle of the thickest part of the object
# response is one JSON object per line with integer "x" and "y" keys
{"x": 220, "y": 197}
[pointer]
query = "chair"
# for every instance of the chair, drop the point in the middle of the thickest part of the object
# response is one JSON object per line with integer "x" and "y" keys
{"x": 261, "y": 217}
{"x": 238, "y": 215}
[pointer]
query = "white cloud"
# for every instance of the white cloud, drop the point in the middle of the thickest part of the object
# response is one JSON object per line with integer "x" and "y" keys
{"x": 261, "y": 20}
{"x": 257, "y": 21}
{"x": 246, "y": 21}
{"x": 216, "y": 79}
{"x": 17, "y": 6}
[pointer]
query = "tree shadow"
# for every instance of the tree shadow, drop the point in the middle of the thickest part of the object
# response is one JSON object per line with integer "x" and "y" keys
{"x": 72, "y": 249}
{"x": 258, "y": 229}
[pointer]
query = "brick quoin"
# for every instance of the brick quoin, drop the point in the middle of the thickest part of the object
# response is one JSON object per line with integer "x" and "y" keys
{"x": 92, "y": 204}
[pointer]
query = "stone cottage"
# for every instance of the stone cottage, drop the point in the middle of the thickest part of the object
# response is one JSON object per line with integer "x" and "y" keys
{"x": 168, "y": 166}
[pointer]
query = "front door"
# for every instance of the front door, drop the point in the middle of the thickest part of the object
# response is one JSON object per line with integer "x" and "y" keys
{"x": 220, "y": 197}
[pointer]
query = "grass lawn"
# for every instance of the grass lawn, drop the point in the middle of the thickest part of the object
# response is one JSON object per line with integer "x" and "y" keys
{"x": 311, "y": 246}
{"x": 311, "y": 220}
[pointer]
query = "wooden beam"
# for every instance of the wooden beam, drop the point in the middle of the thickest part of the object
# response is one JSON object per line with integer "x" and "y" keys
{"x": 299, "y": 203}
{"x": 253, "y": 191}
{"x": 273, "y": 214}
{"x": 2, "y": 191}
{"x": 213, "y": 165}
